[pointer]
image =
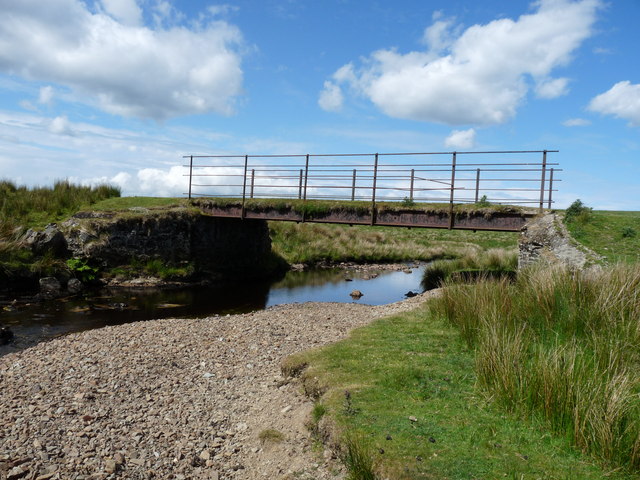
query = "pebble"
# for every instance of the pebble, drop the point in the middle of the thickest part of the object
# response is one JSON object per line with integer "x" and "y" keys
{"x": 171, "y": 398}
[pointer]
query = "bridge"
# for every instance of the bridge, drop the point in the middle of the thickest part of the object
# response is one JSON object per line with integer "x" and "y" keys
{"x": 494, "y": 190}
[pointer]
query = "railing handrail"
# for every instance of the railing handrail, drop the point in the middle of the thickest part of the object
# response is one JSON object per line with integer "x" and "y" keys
{"x": 381, "y": 173}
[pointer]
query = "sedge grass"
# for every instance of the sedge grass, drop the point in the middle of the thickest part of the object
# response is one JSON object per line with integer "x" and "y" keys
{"x": 563, "y": 346}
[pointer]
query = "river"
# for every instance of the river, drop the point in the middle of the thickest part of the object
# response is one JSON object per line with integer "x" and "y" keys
{"x": 33, "y": 323}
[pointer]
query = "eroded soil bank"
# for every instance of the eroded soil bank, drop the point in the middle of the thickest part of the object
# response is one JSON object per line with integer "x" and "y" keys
{"x": 173, "y": 398}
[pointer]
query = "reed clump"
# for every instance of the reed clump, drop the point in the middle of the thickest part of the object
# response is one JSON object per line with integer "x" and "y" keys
{"x": 21, "y": 206}
{"x": 561, "y": 345}
{"x": 471, "y": 265}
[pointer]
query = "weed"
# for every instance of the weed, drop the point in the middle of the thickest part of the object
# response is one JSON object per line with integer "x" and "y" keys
{"x": 357, "y": 457}
{"x": 81, "y": 270}
{"x": 319, "y": 411}
{"x": 483, "y": 202}
{"x": 408, "y": 202}
{"x": 348, "y": 407}
{"x": 271, "y": 436}
{"x": 628, "y": 232}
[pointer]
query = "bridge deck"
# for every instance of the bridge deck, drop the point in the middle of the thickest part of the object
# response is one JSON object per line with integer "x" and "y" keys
{"x": 501, "y": 218}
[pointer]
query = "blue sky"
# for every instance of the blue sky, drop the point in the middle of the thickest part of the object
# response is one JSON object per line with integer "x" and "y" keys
{"x": 119, "y": 90}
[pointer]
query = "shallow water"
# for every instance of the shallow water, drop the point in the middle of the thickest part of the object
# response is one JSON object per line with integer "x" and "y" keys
{"x": 42, "y": 321}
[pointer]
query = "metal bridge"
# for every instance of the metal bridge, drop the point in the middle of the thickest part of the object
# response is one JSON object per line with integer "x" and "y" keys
{"x": 430, "y": 189}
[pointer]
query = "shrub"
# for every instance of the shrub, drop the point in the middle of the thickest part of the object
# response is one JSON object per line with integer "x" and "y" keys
{"x": 577, "y": 211}
{"x": 628, "y": 232}
{"x": 483, "y": 202}
{"x": 81, "y": 270}
{"x": 408, "y": 202}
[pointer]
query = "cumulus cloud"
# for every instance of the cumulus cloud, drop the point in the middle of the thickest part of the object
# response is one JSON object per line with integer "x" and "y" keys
{"x": 108, "y": 58}
{"x": 622, "y": 101}
{"x": 576, "y": 122}
{"x": 465, "y": 139}
{"x": 552, "y": 88}
{"x": 61, "y": 126}
{"x": 480, "y": 75}
{"x": 331, "y": 97}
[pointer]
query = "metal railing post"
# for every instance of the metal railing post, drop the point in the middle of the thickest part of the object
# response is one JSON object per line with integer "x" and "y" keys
{"x": 451, "y": 196}
{"x": 542, "y": 179}
{"x": 373, "y": 194}
{"x": 306, "y": 177}
{"x": 304, "y": 193}
{"x": 190, "y": 174}
{"x": 300, "y": 186}
{"x": 244, "y": 186}
{"x": 413, "y": 173}
{"x": 353, "y": 186}
{"x": 253, "y": 180}
{"x": 550, "y": 187}
{"x": 477, "y": 184}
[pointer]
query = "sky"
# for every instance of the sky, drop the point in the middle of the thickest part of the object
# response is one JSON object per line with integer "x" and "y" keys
{"x": 118, "y": 91}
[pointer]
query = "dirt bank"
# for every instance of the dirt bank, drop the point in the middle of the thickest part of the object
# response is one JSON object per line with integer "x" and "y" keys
{"x": 174, "y": 398}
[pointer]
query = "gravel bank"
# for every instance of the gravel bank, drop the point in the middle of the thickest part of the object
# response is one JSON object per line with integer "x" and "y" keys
{"x": 170, "y": 399}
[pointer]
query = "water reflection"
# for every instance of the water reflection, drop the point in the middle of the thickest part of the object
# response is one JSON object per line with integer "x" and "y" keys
{"x": 37, "y": 322}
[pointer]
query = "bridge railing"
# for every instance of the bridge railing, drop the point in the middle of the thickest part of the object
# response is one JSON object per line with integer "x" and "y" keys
{"x": 525, "y": 178}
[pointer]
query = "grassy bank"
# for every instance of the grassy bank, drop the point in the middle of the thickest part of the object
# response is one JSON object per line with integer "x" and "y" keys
{"x": 400, "y": 397}
{"x": 25, "y": 207}
{"x": 22, "y": 208}
{"x": 613, "y": 235}
{"x": 312, "y": 243}
{"x": 564, "y": 347}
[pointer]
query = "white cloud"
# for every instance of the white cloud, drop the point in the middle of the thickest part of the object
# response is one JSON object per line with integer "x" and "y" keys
{"x": 576, "y": 122}
{"x": 438, "y": 36}
{"x": 331, "y": 97}
{"x": 123, "y": 68}
{"x": 46, "y": 95}
{"x": 622, "y": 101}
{"x": 126, "y": 11}
{"x": 485, "y": 73}
{"x": 145, "y": 162}
{"x": 461, "y": 139}
{"x": 552, "y": 88}
{"x": 61, "y": 126}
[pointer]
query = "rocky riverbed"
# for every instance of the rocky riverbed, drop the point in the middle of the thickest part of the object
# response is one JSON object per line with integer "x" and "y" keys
{"x": 171, "y": 399}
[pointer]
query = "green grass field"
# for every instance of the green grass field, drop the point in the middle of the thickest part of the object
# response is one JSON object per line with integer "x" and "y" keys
{"x": 614, "y": 235}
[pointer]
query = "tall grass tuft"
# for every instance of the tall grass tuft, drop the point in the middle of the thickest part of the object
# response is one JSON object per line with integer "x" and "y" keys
{"x": 471, "y": 265}
{"x": 357, "y": 457}
{"x": 561, "y": 345}
{"x": 27, "y": 207}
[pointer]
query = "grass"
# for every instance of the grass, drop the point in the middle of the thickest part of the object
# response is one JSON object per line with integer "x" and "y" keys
{"x": 121, "y": 204}
{"x": 613, "y": 235}
{"x": 153, "y": 268}
{"x": 491, "y": 263}
{"x": 32, "y": 208}
{"x": 312, "y": 243}
{"x": 22, "y": 208}
{"x": 323, "y": 207}
{"x": 271, "y": 435}
{"x": 414, "y": 405}
{"x": 561, "y": 347}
